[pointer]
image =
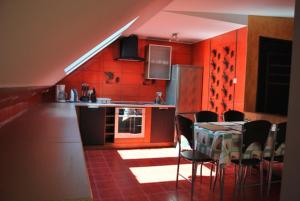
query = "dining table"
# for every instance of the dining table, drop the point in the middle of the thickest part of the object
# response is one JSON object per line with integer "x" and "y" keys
{"x": 221, "y": 141}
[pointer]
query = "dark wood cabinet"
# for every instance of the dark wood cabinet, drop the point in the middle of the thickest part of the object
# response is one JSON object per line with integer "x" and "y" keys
{"x": 92, "y": 125}
{"x": 162, "y": 125}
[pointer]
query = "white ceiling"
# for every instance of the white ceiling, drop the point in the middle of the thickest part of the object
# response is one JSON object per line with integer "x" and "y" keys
{"x": 196, "y": 20}
{"x": 283, "y": 8}
{"x": 190, "y": 29}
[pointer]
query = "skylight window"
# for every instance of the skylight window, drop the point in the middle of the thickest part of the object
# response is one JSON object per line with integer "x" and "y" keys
{"x": 98, "y": 48}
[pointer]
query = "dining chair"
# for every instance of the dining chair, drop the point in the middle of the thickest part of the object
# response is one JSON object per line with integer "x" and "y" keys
{"x": 252, "y": 132}
{"x": 206, "y": 116}
{"x": 187, "y": 151}
{"x": 279, "y": 140}
{"x": 233, "y": 115}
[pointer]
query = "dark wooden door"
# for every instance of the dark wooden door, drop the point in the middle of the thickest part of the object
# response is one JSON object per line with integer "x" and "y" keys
{"x": 273, "y": 75}
{"x": 162, "y": 125}
{"x": 91, "y": 125}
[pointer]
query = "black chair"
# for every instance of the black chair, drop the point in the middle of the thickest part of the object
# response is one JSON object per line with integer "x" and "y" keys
{"x": 233, "y": 115}
{"x": 184, "y": 128}
{"x": 279, "y": 139}
{"x": 253, "y": 132}
{"x": 206, "y": 116}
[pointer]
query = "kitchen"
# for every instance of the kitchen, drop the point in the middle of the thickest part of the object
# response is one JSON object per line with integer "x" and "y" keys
{"x": 127, "y": 84}
{"x": 132, "y": 109}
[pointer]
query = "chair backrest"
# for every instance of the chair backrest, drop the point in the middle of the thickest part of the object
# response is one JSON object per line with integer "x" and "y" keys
{"x": 233, "y": 115}
{"x": 206, "y": 116}
{"x": 184, "y": 126}
{"x": 255, "y": 132}
{"x": 280, "y": 134}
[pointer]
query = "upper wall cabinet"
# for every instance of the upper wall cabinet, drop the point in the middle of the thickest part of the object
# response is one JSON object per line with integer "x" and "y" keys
{"x": 158, "y": 62}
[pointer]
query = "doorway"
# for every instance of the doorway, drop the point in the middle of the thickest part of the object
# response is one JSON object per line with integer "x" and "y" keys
{"x": 273, "y": 75}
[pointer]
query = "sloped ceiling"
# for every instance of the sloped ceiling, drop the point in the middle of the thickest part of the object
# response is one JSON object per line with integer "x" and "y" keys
{"x": 196, "y": 20}
{"x": 38, "y": 39}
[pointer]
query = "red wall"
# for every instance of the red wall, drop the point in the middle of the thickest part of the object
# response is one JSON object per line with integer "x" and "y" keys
{"x": 14, "y": 101}
{"x": 203, "y": 56}
{"x": 131, "y": 74}
{"x": 131, "y": 87}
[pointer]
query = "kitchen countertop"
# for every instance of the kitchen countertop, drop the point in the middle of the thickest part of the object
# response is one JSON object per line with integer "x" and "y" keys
{"x": 42, "y": 157}
{"x": 124, "y": 104}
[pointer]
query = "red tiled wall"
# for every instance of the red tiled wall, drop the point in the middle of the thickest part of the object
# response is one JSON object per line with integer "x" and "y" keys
{"x": 202, "y": 55}
{"x": 131, "y": 74}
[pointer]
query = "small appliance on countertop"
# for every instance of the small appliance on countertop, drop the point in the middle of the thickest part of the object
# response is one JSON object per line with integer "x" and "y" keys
{"x": 60, "y": 93}
{"x": 73, "y": 95}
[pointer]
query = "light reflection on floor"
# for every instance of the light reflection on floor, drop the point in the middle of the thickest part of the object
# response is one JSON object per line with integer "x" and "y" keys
{"x": 164, "y": 173}
{"x": 148, "y": 153}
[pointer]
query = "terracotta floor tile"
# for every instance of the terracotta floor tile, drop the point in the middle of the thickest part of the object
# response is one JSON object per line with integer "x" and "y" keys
{"x": 153, "y": 188}
{"x": 166, "y": 196}
{"x": 131, "y": 191}
{"x": 140, "y": 197}
{"x": 112, "y": 180}
{"x": 105, "y": 184}
{"x": 109, "y": 193}
{"x": 112, "y": 199}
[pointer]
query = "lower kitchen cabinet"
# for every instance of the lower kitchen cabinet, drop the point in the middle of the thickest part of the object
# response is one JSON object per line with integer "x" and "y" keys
{"x": 92, "y": 125}
{"x": 162, "y": 125}
{"x": 97, "y": 127}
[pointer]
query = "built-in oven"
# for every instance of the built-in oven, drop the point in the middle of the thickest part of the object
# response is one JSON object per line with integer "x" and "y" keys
{"x": 129, "y": 122}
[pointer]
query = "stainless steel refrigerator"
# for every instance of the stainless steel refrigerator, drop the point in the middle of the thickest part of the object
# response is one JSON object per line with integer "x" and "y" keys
{"x": 185, "y": 88}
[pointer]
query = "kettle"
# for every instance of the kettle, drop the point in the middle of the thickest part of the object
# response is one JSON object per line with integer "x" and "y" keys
{"x": 73, "y": 95}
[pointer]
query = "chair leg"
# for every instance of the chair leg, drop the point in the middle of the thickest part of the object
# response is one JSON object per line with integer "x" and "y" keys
{"x": 177, "y": 175}
{"x": 201, "y": 165}
{"x": 236, "y": 178}
{"x": 210, "y": 180}
{"x": 235, "y": 175}
{"x": 194, "y": 170}
{"x": 222, "y": 175}
{"x": 250, "y": 171}
{"x": 240, "y": 176}
{"x": 261, "y": 178}
{"x": 270, "y": 172}
{"x": 216, "y": 175}
{"x": 245, "y": 175}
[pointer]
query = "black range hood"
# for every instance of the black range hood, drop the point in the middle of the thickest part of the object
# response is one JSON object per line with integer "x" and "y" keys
{"x": 129, "y": 49}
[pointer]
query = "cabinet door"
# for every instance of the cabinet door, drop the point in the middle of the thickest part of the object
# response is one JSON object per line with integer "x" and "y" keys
{"x": 158, "y": 62}
{"x": 91, "y": 125}
{"x": 162, "y": 125}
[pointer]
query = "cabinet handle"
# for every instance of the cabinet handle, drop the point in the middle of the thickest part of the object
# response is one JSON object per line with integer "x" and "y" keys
{"x": 163, "y": 108}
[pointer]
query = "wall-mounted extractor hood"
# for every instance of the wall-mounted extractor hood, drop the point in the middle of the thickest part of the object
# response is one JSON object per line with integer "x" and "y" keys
{"x": 129, "y": 49}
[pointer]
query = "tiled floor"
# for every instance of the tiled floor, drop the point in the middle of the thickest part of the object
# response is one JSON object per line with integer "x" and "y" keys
{"x": 149, "y": 174}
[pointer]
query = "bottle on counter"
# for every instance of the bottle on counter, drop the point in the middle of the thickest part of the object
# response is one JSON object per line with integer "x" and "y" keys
{"x": 159, "y": 99}
{"x": 93, "y": 96}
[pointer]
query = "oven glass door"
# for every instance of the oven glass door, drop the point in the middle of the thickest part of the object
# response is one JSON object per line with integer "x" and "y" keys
{"x": 130, "y": 122}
